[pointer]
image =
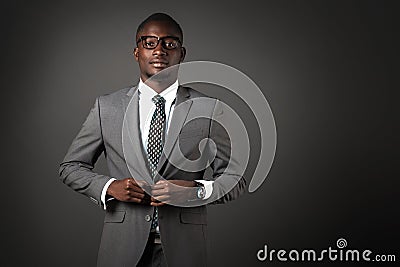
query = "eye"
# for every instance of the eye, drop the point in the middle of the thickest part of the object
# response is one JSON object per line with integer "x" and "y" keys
{"x": 169, "y": 44}
{"x": 150, "y": 43}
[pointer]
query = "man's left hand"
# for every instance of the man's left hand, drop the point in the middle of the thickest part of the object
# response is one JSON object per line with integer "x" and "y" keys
{"x": 166, "y": 191}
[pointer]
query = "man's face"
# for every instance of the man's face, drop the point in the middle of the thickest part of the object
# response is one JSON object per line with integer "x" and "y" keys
{"x": 152, "y": 61}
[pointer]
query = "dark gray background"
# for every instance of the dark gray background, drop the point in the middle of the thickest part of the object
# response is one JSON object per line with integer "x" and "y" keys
{"x": 327, "y": 69}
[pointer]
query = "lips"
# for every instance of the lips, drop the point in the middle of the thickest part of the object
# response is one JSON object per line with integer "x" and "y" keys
{"x": 159, "y": 63}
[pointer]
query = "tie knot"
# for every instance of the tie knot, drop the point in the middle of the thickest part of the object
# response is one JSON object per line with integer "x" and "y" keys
{"x": 158, "y": 100}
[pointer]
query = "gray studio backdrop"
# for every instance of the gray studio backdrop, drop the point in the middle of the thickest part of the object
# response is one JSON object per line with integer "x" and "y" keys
{"x": 326, "y": 67}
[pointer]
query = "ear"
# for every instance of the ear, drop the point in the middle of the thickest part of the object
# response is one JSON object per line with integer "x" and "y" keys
{"x": 183, "y": 54}
{"x": 136, "y": 53}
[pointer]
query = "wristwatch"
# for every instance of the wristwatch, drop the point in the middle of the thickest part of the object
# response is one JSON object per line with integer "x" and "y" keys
{"x": 201, "y": 191}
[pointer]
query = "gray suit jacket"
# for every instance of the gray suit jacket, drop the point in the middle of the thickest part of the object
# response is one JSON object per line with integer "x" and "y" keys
{"x": 127, "y": 225}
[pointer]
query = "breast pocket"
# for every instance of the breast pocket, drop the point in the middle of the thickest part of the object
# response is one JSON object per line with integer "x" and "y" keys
{"x": 193, "y": 218}
{"x": 115, "y": 216}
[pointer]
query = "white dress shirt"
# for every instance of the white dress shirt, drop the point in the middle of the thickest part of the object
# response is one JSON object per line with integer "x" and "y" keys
{"x": 146, "y": 110}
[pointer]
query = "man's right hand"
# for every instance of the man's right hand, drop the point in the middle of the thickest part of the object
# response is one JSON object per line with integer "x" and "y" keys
{"x": 128, "y": 190}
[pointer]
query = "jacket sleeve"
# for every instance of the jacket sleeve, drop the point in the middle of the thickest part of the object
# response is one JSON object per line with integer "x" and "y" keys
{"x": 229, "y": 183}
{"x": 76, "y": 170}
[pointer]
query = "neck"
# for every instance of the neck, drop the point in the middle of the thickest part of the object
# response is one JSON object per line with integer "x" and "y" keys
{"x": 158, "y": 85}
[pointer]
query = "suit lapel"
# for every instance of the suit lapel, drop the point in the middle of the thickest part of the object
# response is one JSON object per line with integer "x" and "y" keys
{"x": 137, "y": 159}
{"x": 181, "y": 110}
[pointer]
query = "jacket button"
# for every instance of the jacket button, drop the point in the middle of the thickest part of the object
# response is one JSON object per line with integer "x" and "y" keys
{"x": 147, "y": 218}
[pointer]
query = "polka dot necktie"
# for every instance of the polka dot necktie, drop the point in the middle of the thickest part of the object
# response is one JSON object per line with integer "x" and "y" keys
{"x": 155, "y": 143}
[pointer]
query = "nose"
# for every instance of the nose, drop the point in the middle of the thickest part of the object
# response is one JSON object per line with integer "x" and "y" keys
{"x": 159, "y": 49}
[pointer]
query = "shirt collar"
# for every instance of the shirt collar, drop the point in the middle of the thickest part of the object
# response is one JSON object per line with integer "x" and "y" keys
{"x": 169, "y": 93}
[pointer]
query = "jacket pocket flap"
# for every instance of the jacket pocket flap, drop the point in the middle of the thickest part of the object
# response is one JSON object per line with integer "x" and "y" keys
{"x": 116, "y": 216}
{"x": 193, "y": 218}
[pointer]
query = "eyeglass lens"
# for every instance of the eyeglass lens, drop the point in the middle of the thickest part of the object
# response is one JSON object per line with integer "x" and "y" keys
{"x": 151, "y": 42}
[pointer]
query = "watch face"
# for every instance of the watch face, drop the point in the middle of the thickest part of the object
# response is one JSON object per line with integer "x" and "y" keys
{"x": 201, "y": 192}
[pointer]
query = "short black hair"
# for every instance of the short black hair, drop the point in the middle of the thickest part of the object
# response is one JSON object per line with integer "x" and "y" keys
{"x": 160, "y": 17}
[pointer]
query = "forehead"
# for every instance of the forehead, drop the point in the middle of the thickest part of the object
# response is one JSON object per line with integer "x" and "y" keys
{"x": 160, "y": 29}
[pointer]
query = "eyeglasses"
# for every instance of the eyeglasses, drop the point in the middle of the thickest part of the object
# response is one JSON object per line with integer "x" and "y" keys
{"x": 167, "y": 42}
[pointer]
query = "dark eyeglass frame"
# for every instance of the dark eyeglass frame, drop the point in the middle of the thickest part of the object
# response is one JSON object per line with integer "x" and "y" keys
{"x": 143, "y": 38}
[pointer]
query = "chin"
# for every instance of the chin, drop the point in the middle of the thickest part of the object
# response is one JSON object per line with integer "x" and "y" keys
{"x": 159, "y": 76}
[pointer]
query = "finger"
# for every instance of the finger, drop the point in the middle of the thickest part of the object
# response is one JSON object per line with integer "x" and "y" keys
{"x": 136, "y": 195}
{"x": 128, "y": 183}
{"x": 155, "y": 200}
{"x": 134, "y": 187}
{"x": 141, "y": 183}
{"x": 157, "y": 204}
{"x": 134, "y": 199}
{"x": 159, "y": 185}
{"x": 162, "y": 198}
{"x": 158, "y": 192}
{"x": 133, "y": 182}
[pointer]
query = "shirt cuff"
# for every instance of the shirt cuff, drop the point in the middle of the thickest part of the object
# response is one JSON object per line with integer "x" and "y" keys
{"x": 104, "y": 192}
{"x": 208, "y": 186}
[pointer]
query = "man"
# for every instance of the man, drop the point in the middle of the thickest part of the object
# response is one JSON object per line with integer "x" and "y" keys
{"x": 143, "y": 225}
